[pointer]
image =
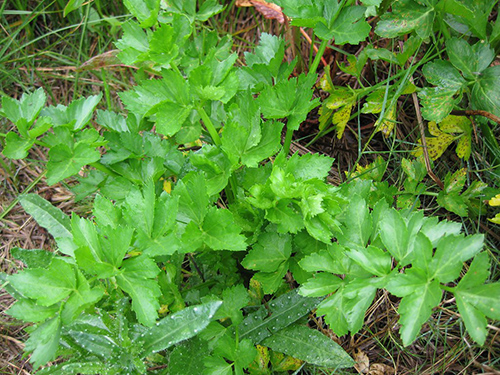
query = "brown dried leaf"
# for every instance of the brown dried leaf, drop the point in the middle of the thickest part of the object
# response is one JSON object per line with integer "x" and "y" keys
{"x": 381, "y": 369}
{"x": 268, "y": 10}
{"x": 362, "y": 362}
{"x": 100, "y": 61}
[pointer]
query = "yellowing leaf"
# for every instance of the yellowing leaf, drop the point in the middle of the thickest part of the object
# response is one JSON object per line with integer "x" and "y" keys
{"x": 337, "y": 99}
{"x": 495, "y": 201}
{"x": 496, "y": 219}
{"x": 340, "y": 119}
{"x": 455, "y": 124}
{"x": 386, "y": 124}
{"x": 167, "y": 186}
{"x": 464, "y": 147}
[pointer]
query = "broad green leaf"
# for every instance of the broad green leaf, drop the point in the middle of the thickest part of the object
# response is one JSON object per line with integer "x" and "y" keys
{"x": 290, "y": 99}
{"x": 44, "y": 341}
{"x": 484, "y": 298}
{"x": 146, "y": 11}
{"x": 28, "y": 311}
{"x": 215, "y": 165}
{"x": 372, "y": 259}
{"x": 442, "y": 73}
{"x": 234, "y": 299}
{"x": 486, "y": 91}
{"x": 309, "y": 345}
{"x": 470, "y": 60}
{"x": 453, "y": 202}
{"x": 76, "y": 115}
{"x": 17, "y": 147}
{"x": 178, "y": 327}
{"x": 271, "y": 281}
{"x": 437, "y": 103}
{"x": 34, "y": 258}
{"x": 23, "y": 112}
{"x": 48, "y": 216}
{"x": 320, "y": 285}
{"x": 65, "y": 162}
{"x": 357, "y": 224}
{"x": 144, "y": 294}
{"x": 133, "y": 43}
{"x": 474, "y": 319}
{"x": 112, "y": 121}
{"x": 395, "y": 235}
{"x": 450, "y": 254}
{"x": 281, "y": 312}
{"x": 309, "y": 166}
{"x": 193, "y": 198}
{"x": 416, "y": 308}
{"x": 333, "y": 309}
{"x": 288, "y": 219}
{"x": 349, "y": 26}
{"x": 187, "y": 357}
{"x": 83, "y": 297}
{"x": 81, "y": 367}
{"x": 270, "y": 251}
{"x": 406, "y": 16}
{"x": 46, "y": 286}
{"x": 333, "y": 260}
{"x": 220, "y": 231}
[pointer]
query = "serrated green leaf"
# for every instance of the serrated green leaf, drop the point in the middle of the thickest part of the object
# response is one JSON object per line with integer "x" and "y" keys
{"x": 320, "y": 285}
{"x": 44, "y": 341}
{"x": 178, "y": 327}
{"x": 23, "y": 112}
{"x": 474, "y": 319}
{"x": 486, "y": 91}
{"x": 309, "y": 345}
{"x": 187, "y": 358}
{"x": 406, "y": 16}
{"x": 28, "y": 311}
{"x": 416, "y": 308}
{"x": 333, "y": 260}
{"x": 36, "y": 258}
{"x": 65, "y": 162}
{"x": 17, "y": 147}
{"x": 146, "y": 11}
{"x": 48, "y": 216}
{"x": 442, "y": 73}
{"x": 144, "y": 293}
{"x": 284, "y": 310}
{"x": 46, "y": 286}
{"x": 348, "y": 27}
{"x": 395, "y": 235}
{"x": 270, "y": 251}
{"x": 220, "y": 231}
{"x": 450, "y": 254}
{"x": 470, "y": 60}
{"x": 193, "y": 198}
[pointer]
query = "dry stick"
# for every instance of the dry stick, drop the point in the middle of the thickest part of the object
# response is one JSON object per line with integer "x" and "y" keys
{"x": 424, "y": 142}
{"x": 477, "y": 112}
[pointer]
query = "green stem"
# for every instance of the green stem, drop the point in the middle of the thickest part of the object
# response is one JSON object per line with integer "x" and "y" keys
{"x": 317, "y": 58}
{"x": 231, "y": 190}
{"x": 288, "y": 141}
{"x": 101, "y": 167}
{"x": 26, "y": 191}
{"x": 209, "y": 125}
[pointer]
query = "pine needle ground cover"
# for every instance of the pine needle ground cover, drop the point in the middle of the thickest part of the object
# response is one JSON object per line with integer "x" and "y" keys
{"x": 252, "y": 188}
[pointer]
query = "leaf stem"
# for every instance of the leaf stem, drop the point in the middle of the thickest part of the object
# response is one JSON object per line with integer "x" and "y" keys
{"x": 209, "y": 125}
{"x": 317, "y": 58}
{"x": 101, "y": 167}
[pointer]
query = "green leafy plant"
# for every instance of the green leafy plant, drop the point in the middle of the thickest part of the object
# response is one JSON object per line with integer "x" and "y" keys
{"x": 200, "y": 216}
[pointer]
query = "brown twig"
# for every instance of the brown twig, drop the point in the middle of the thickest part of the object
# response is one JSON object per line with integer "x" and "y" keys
{"x": 476, "y": 112}
{"x": 424, "y": 142}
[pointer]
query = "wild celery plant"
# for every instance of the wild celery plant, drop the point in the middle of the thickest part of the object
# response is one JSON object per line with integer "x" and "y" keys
{"x": 182, "y": 264}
